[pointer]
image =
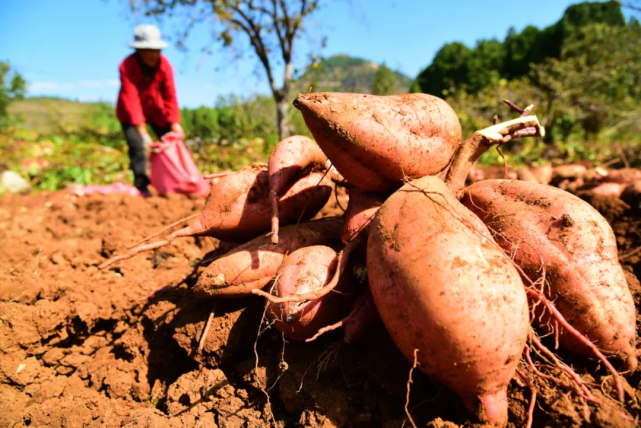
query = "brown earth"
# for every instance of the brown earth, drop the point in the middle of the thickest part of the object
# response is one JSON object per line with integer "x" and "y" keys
{"x": 80, "y": 348}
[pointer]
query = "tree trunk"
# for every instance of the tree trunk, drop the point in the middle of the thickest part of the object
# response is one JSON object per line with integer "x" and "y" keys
{"x": 282, "y": 107}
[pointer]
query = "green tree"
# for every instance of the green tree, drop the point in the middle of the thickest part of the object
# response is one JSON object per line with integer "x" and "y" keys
{"x": 271, "y": 27}
{"x": 385, "y": 82}
{"x": 12, "y": 87}
{"x": 484, "y": 64}
{"x": 448, "y": 70}
{"x": 597, "y": 80}
{"x": 457, "y": 67}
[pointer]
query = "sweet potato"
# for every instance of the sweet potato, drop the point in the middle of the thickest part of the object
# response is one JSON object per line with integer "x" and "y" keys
{"x": 542, "y": 173}
{"x": 304, "y": 270}
{"x": 609, "y": 189}
{"x": 623, "y": 175}
{"x": 237, "y": 208}
{"x": 363, "y": 320}
{"x": 292, "y": 158}
{"x": 377, "y": 141}
{"x": 254, "y": 264}
{"x": 442, "y": 286}
{"x": 562, "y": 172}
{"x": 361, "y": 208}
{"x": 549, "y": 230}
{"x": 525, "y": 174}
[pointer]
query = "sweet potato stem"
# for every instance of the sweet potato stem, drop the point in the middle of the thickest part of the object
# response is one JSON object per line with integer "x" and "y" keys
{"x": 479, "y": 142}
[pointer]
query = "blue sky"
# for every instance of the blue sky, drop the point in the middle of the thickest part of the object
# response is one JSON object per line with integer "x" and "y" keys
{"x": 72, "y": 48}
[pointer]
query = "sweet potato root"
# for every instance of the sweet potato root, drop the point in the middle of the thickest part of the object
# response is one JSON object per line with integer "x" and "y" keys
{"x": 304, "y": 270}
{"x": 361, "y": 209}
{"x": 254, "y": 264}
{"x": 292, "y": 158}
{"x": 237, "y": 208}
{"x": 377, "y": 141}
{"x": 553, "y": 233}
{"x": 442, "y": 286}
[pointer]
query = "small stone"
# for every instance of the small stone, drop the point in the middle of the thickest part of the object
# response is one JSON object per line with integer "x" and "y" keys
{"x": 13, "y": 183}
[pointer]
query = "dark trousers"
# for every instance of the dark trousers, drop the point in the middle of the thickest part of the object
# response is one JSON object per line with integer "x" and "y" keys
{"x": 137, "y": 158}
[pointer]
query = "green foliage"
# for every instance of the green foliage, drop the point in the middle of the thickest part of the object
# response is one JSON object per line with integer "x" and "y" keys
{"x": 384, "y": 81}
{"x": 50, "y": 163}
{"x": 456, "y": 67}
{"x": 12, "y": 87}
{"x": 596, "y": 84}
{"x": 231, "y": 119}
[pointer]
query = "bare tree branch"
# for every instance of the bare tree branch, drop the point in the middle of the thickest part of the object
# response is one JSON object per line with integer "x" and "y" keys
{"x": 258, "y": 19}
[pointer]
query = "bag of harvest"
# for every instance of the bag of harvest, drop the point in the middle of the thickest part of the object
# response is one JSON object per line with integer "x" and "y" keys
{"x": 173, "y": 170}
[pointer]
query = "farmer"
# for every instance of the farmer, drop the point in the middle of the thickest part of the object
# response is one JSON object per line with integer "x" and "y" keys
{"x": 147, "y": 96}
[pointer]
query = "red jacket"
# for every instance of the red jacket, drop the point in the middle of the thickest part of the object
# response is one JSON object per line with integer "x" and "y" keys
{"x": 141, "y": 101}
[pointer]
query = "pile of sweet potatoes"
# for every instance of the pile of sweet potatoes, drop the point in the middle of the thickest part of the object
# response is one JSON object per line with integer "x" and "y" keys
{"x": 458, "y": 273}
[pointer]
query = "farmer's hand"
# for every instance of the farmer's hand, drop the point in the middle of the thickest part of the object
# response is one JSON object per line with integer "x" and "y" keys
{"x": 175, "y": 127}
{"x": 146, "y": 138}
{"x": 146, "y": 141}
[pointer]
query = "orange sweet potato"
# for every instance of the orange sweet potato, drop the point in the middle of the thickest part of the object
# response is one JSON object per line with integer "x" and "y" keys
{"x": 292, "y": 158}
{"x": 238, "y": 208}
{"x": 377, "y": 141}
{"x": 443, "y": 287}
{"x": 304, "y": 270}
{"x": 543, "y": 173}
{"x": 623, "y": 175}
{"x": 254, "y": 264}
{"x": 549, "y": 230}
{"x": 363, "y": 319}
{"x": 361, "y": 208}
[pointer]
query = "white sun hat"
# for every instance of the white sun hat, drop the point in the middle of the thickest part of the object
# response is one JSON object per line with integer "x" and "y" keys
{"x": 148, "y": 37}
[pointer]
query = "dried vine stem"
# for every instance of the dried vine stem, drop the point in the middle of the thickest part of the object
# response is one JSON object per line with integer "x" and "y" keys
{"x": 479, "y": 142}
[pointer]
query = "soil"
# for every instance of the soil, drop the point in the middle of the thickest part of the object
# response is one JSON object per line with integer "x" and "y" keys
{"x": 82, "y": 347}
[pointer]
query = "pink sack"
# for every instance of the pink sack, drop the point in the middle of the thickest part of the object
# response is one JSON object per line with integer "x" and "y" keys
{"x": 173, "y": 170}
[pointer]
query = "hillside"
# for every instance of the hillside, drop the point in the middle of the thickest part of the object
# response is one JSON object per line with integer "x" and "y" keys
{"x": 344, "y": 73}
{"x": 47, "y": 115}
